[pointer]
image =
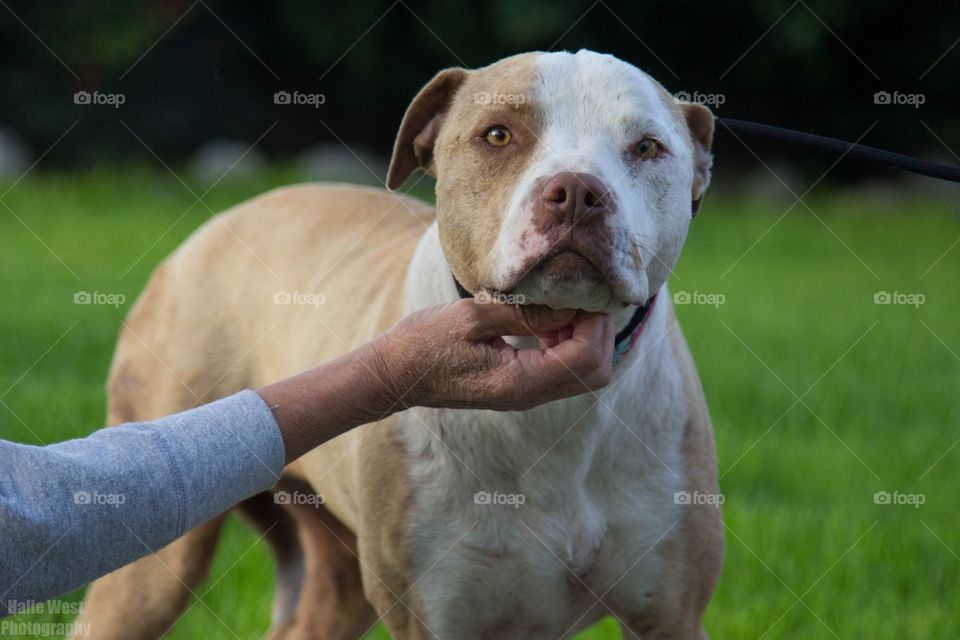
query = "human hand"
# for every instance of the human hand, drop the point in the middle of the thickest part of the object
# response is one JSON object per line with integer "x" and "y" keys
{"x": 454, "y": 355}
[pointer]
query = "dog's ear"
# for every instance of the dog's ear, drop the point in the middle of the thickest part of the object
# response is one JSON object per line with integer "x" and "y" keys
{"x": 700, "y": 123}
{"x": 421, "y": 124}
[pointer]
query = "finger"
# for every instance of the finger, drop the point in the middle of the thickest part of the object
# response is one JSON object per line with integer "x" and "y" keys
{"x": 607, "y": 341}
{"x": 601, "y": 375}
{"x": 571, "y": 361}
{"x": 493, "y": 319}
{"x": 590, "y": 331}
{"x": 578, "y": 366}
{"x": 588, "y": 355}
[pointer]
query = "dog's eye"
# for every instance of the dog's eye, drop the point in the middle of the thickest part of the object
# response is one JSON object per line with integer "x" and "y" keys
{"x": 499, "y": 137}
{"x": 646, "y": 149}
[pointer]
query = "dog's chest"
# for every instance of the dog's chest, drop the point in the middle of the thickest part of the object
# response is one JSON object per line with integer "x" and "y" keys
{"x": 526, "y": 535}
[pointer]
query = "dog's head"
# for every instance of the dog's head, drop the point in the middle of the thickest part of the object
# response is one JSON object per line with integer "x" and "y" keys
{"x": 568, "y": 178}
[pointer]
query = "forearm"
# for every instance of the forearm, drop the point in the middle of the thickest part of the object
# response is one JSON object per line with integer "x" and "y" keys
{"x": 72, "y": 511}
{"x": 320, "y": 404}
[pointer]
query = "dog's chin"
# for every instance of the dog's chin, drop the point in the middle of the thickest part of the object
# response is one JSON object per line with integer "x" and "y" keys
{"x": 570, "y": 281}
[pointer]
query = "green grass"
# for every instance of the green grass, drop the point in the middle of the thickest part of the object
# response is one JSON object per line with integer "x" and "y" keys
{"x": 799, "y": 477}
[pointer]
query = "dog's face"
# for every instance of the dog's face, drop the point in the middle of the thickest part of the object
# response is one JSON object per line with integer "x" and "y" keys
{"x": 568, "y": 178}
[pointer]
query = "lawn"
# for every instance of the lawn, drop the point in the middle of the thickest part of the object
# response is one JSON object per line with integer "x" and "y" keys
{"x": 820, "y": 397}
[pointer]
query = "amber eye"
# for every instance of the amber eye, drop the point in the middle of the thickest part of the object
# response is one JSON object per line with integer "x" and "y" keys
{"x": 499, "y": 137}
{"x": 646, "y": 149}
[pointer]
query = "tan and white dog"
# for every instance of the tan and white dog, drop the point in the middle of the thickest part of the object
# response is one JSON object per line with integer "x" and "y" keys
{"x": 568, "y": 179}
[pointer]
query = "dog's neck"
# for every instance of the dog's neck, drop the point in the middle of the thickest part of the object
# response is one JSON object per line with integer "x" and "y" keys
{"x": 430, "y": 281}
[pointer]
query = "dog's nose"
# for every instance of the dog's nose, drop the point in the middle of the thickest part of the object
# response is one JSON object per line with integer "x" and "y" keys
{"x": 575, "y": 196}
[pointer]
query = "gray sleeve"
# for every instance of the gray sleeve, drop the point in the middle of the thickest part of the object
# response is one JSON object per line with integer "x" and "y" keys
{"x": 73, "y": 511}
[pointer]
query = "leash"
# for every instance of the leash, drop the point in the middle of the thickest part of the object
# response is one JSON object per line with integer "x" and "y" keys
{"x": 842, "y": 147}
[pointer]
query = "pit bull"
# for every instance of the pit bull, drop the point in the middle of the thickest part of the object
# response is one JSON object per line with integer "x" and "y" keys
{"x": 562, "y": 179}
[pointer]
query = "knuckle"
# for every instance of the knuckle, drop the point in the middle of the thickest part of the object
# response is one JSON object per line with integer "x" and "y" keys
{"x": 592, "y": 359}
{"x": 468, "y": 314}
{"x": 464, "y": 308}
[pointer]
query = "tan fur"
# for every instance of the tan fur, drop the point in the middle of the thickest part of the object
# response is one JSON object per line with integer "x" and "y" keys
{"x": 330, "y": 602}
{"x": 208, "y": 325}
{"x": 699, "y": 121}
{"x": 462, "y": 193}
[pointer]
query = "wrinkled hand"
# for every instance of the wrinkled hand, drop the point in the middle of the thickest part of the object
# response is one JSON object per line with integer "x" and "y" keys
{"x": 454, "y": 355}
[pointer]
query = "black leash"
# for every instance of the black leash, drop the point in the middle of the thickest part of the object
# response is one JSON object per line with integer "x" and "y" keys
{"x": 849, "y": 149}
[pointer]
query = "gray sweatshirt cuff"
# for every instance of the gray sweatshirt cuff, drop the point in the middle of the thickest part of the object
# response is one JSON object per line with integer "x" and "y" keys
{"x": 221, "y": 453}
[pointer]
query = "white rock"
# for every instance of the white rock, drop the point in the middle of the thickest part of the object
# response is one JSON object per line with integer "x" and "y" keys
{"x": 232, "y": 159}
{"x": 14, "y": 155}
{"x": 336, "y": 163}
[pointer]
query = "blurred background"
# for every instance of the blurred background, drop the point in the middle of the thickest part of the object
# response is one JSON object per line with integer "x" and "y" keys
{"x": 819, "y": 297}
{"x": 199, "y": 77}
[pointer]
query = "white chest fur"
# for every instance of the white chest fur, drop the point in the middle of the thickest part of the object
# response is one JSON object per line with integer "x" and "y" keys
{"x": 521, "y": 522}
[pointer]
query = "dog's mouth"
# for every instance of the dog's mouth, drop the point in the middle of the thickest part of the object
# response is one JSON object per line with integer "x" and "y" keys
{"x": 571, "y": 276}
{"x": 568, "y": 265}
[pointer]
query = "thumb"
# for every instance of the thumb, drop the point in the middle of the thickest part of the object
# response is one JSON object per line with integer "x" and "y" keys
{"x": 509, "y": 320}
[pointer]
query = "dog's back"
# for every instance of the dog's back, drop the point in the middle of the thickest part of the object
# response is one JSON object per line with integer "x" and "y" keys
{"x": 221, "y": 312}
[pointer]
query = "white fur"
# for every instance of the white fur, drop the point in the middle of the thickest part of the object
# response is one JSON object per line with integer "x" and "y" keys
{"x": 598, "y": 476}
{"x": 596, "y": 109}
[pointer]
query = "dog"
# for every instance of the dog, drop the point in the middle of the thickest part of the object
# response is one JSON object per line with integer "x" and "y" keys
{"x": 562, "y": 179}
